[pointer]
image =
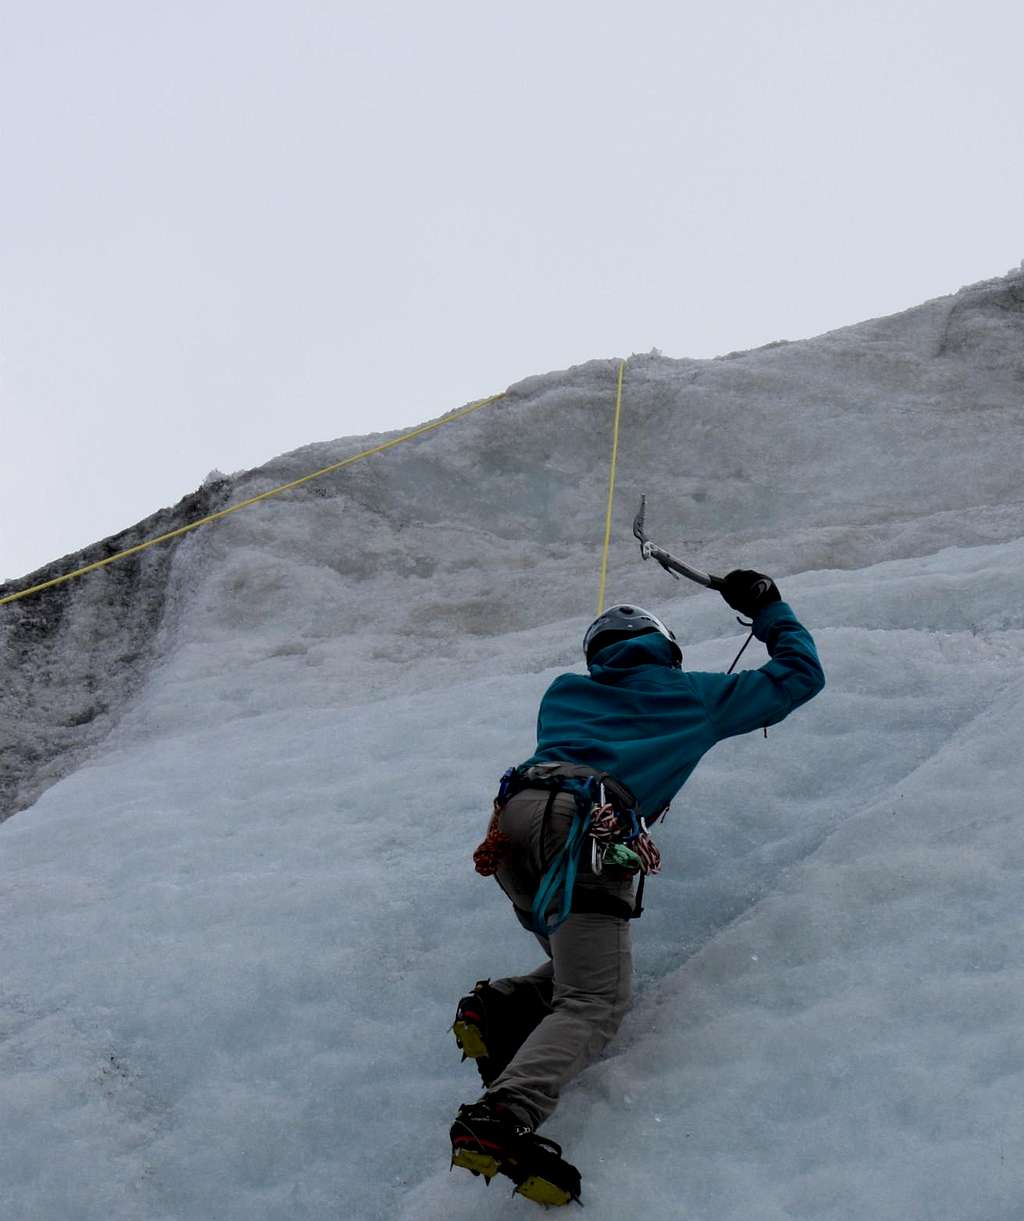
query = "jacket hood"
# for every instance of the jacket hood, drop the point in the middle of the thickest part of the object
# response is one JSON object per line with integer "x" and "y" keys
{"x": 650, "y": 649}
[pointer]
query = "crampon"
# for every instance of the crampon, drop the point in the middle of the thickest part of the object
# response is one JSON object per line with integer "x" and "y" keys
{"x": 487, "y": 1140}
{"x": 491, "y": 1026}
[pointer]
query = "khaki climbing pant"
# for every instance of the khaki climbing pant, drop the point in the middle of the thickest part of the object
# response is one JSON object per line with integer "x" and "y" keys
{"x": 589, "y": 967}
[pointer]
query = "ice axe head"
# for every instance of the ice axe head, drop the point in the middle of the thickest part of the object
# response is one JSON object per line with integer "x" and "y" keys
{"x": 638, "y": 521}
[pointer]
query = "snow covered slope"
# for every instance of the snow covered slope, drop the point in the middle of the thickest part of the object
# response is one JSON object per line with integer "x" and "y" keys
{"x": 233, "y": 936}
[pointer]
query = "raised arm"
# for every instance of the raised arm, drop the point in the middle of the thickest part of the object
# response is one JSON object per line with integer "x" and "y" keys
{"x": 738, "y": 703}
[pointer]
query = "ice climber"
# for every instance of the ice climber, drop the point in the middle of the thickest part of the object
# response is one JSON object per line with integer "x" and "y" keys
{"x": 568, "y": 838}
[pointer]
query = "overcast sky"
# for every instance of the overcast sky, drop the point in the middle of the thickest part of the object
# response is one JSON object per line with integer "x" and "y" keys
{"x": 231, "y": 229}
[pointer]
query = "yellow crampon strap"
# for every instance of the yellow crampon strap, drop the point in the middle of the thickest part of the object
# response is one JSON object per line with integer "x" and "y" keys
{"x": 611, "y": 491}
{"x": 285, "y": 487}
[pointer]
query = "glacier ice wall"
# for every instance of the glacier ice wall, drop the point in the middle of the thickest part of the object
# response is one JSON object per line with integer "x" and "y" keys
{"x": 864, "y": 444}
{"x": 233, "y": 932}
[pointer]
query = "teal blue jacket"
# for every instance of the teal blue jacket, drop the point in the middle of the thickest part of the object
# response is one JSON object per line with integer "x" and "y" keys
{"x": 648, "y": 724}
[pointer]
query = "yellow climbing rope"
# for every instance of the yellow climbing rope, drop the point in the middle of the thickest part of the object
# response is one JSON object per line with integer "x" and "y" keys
{"x": 611, "y": 491}
{"x": 336, "y": 466}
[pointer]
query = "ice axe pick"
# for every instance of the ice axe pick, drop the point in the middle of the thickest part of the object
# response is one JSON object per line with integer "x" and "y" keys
{"x": 651, "y": 551}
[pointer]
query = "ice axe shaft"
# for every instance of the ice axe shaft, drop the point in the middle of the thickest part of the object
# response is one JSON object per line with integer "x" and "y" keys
{"x": 651, "y": 551}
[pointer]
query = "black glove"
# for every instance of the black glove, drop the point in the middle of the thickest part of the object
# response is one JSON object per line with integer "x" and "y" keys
{"x": 748, "y": 592}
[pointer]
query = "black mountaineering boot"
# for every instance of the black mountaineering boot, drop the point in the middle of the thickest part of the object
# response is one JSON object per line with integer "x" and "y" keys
{"x": 544, "y": 1176}
{"x": 488, "y": 1139}
{"x": 485, "y": 1136}
{"x": 491, "y": 1026}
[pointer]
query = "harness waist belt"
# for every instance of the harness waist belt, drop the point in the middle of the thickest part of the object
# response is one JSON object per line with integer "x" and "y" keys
{"x": 548, "y": 775}
{"x": 594, "y": 902}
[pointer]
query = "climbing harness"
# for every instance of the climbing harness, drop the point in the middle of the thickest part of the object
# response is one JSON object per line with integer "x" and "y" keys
{"x": 606, "y": 815}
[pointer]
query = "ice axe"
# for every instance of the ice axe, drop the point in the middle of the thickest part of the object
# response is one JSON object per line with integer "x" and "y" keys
{"x": 676, "y": 568}
{"x": 651, "y": 551}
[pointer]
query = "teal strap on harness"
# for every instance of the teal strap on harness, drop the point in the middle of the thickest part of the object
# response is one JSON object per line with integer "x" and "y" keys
{"x": 560, "y": 877}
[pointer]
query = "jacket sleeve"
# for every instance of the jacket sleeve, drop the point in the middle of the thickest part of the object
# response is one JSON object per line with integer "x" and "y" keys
{"x": 738, "y": 703}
